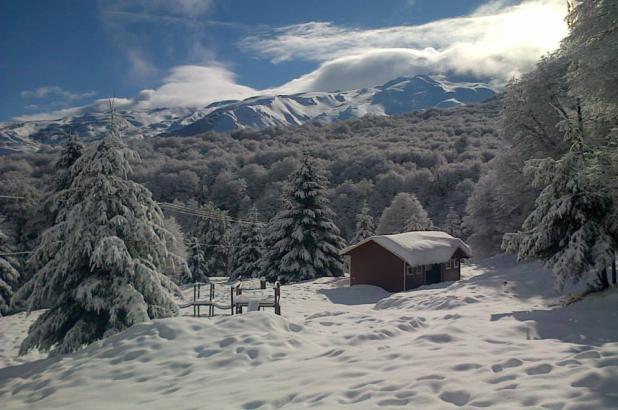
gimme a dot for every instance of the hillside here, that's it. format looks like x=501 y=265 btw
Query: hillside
x=497 y=339
x=438 y=155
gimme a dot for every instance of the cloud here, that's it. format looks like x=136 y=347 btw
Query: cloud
x=130 y=24
x=100 y=105
x=365 y=69
x=54 y=91
x=184 y=86
x=499 y=40
x=166 y=10
x=193 y=85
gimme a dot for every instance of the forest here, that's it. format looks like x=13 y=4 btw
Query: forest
x=438 y=155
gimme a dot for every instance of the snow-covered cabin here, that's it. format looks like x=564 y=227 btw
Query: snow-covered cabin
x=405 y=261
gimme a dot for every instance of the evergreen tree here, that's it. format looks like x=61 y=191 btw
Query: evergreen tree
x=364 y=225
x=100 y=264
x=63 y=176
x=571 y=227
x=303 y=241
x=46 y=211
x=405 y=213
x=70 y=153
x=8 y=277
x=197 y=262
x=213 y=233
x=248 y=246
x=452 y=225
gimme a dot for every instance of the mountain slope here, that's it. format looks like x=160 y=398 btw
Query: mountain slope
x=395 y=97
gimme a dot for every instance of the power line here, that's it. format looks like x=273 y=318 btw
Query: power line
x=16 y=253
x=205 y=214
x=195 y=213
x=213 y=245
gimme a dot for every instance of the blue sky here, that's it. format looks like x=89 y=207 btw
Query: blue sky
x=149 y=53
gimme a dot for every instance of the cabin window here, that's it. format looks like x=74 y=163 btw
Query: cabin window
x=415 y=270
x=452 y=263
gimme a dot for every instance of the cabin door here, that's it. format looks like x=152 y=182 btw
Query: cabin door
x=434 y=275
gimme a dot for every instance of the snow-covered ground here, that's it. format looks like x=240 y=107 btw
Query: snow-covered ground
x=497 y=339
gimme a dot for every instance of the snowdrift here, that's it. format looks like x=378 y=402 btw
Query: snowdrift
x=497 y=339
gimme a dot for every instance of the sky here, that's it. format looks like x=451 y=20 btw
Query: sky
x=57 y=56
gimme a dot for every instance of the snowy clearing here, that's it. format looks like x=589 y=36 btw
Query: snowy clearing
x=497 y=339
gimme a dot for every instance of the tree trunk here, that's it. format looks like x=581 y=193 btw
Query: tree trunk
x=603 y=280
x=614 y=270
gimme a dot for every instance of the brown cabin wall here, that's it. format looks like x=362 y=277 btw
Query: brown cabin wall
x=371 y=264
x=451 y=274
x=414 y=281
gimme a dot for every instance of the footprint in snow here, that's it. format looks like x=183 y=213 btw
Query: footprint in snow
x=590 y=354
x=540 y=369
x=394 y=402
x=456 y=397
x=437 y=338
x=505 y=365
x=462 y=367
x=591 y=380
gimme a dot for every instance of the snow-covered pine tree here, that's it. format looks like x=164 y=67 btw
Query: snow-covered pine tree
x=70 y=153
x=248 y=247
x=571 y=227
x=405 y=213
x=63 y=176
x=46 y=211
x=8 y=277
x=101 y=262
x=364 y=225
x=197 y=262
x=213 y=233
x=452 y=224
x=303 y=241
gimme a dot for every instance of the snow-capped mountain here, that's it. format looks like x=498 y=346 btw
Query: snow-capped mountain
x=401 y=95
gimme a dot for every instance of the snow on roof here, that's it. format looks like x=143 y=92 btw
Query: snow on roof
x=419 y=247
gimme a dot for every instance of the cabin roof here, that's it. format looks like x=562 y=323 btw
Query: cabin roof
x=419 y=247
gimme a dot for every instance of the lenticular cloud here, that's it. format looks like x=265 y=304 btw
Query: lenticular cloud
x=489 y=43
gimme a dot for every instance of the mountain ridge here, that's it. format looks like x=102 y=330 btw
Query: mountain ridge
x=397 y=96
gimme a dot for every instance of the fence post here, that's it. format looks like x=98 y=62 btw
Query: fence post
x=278 y=299
x=194 y=298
